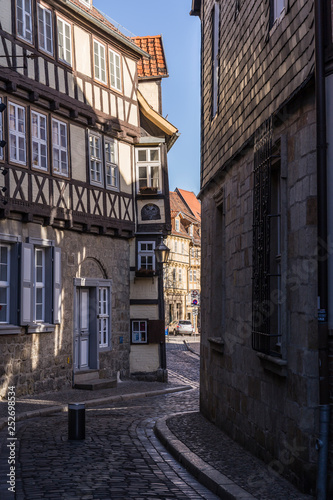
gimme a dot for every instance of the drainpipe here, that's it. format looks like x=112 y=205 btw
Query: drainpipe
x=324 y=407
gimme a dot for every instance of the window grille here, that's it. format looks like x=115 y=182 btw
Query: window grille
x=266 y=277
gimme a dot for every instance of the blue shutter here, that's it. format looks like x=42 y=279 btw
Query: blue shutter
x=27 y=284
x=56 y=285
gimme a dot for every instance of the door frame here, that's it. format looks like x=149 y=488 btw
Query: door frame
x=93 y=286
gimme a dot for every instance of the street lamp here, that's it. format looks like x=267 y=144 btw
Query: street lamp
x=162 y=252
x=162 y=255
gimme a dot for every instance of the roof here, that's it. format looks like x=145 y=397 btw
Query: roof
x=102 y=20
x=179 y=207
x=191 y=201
x=155 y=66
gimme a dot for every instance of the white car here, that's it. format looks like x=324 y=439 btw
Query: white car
x=181 y=327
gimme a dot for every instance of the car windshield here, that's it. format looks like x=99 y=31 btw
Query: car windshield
x=184 y=322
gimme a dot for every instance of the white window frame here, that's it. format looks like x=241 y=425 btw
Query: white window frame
x=99 y=60
x=146 y=253
x=59 y=149
x=95 y=159
x=103 y=316
x=87 y=3
x=115 y=70
x=38 y=141
x=64 y=48
x=39 y=286
x=177 y=224
x=17 y=135
x=45 y=39
x=190 y=276
x=111 y=164
x=176 y=246
x=180 y=275
x=278 y=8
x=25 y=32
x=139 y=335
x=148 y=164
x=5 y=284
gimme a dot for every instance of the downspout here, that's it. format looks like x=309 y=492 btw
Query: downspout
x=322 y=188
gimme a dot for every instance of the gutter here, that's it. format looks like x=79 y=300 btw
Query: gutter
x=119 y=36
x=323 y=191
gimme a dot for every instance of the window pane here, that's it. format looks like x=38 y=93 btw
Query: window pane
x=154 y=156
x=142 y=155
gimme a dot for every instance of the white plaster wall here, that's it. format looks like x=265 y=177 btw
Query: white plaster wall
x=144 y=358
x=125 y=167
x=150 y=91
x=129 y=69
x=6 y=15
x=144 y=311
x=82 y=51
x=78 y=152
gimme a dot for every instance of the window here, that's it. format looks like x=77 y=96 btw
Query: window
x=215 y=56
x=139 y=332
x=194 y=275
x=4 y=282
x=146 y=255
x=190 y=276
x=115 y=70
x=267 y=256
x=41 y=282
x=45 y=35
x=277 y=7
x=24 y=19
x=176 y=246
x=174 y=274
x=99 y=62
x=177 y=223
x=64 y=41
x=180 y=275
x=111 y=164
x=39 y=140
x=149 y=168
x=17 y=139
x=95 y=152
x=1 y=131
x=103 y=316
x=183 y=248
x=191 y=230
x=86 y=2
x=59 y=147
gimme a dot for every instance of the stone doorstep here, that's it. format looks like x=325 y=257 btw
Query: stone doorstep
x=85 y=375
x=96 y=384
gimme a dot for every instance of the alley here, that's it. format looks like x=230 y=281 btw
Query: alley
x=120 y=458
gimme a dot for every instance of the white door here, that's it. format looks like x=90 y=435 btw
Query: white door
x=81 y=330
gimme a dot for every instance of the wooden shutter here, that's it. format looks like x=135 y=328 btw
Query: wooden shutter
x=156 y=331
x=56 y=285
x=27 y=282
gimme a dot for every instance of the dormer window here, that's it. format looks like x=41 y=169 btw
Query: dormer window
x=177 y=222
x=191 y=230
x=87 y=3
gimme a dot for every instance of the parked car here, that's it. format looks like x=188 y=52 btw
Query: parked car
x=181 y=327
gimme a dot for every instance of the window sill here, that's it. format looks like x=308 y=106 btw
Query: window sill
x=10 y=330
x=274 y=365
x=216 y=344
x=40 y=328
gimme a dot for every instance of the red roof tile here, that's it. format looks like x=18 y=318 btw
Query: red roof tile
x=156 y=65
x=191 y=201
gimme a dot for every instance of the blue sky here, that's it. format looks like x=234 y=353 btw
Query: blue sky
x=181 y=91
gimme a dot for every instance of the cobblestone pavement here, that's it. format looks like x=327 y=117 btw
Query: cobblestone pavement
x=121 y=458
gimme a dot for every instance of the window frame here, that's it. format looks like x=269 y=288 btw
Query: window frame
x=104 y=317
x=2 y=156
x=146 y=253
x=99 y=66
x=42 y=8
x=139 y=331
x=6 y=284
x=60 y=148
x=177 y=224
x=113 y=74
x=112 y=165
x=38 y=140
x=97 y=160
x=39 y=285
x=16 y=133
x=64 y=49
x=24 y=13
x=148 y=163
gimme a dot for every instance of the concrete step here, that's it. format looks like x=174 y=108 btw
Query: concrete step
x=86 y=375
x=97 y=383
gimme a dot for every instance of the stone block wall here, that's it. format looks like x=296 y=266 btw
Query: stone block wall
x=38 y=362
x=269 y=407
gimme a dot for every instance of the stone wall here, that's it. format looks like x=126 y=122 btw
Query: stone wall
x=40 y=362
x=270 y=407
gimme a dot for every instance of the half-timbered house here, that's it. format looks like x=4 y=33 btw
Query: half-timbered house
x=70 y=124
x=266 y=291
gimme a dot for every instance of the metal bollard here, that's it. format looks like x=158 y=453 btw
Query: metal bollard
x=76 y=421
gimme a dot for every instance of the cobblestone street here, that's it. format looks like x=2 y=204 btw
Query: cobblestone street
x=120 y=457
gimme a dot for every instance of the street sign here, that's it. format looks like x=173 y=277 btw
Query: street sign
x=194 y=293
x=194 y=302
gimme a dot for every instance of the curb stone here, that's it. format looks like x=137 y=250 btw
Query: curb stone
x=93 y=402
x=212 y=479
